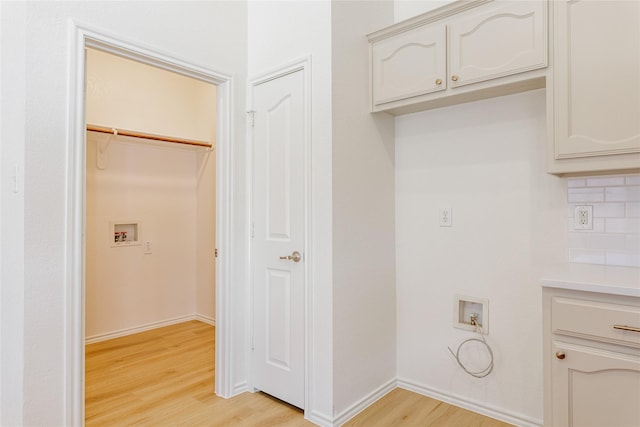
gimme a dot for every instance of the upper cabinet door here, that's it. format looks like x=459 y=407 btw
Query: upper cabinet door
x=505 y=40
x=596 y=94
x=410 y=64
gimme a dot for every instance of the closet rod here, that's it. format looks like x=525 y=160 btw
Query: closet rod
x=135 y=134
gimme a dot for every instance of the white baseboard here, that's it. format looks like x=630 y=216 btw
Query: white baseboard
x=364 y=403
x=205 y=319
x=239 y=388
x=147 y=327
x=319 y=419
x=478 y=407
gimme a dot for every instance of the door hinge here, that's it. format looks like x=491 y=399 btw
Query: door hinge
x=253 y=230
x=252 y=117
x=215 y=252
x=252 y=346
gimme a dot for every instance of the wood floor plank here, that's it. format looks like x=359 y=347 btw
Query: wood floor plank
x=165 y=377
x=404 y=408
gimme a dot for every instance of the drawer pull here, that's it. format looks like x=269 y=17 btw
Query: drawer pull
x=626 y=328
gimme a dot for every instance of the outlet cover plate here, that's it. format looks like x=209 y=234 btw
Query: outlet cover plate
x=583 y=218
x=444 y=217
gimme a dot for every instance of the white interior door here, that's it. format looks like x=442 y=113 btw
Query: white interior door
x=278 y=237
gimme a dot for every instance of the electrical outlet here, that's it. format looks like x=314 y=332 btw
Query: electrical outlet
x=444 y=217
x=583 y=218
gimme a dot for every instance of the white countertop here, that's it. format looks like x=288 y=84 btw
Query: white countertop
x=594 y=278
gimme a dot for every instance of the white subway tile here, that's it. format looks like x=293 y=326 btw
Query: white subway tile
x=598 y=225
x=615 y=237
x=585 y=256
x=577 y=240
x=633 y=179
x=633 y=210
x=611 y=242
x=608 y=210
x=623 y=225
x=585 y=195
x=627 y=259
x=633 y=242
x=623 y=194
x=605 y=181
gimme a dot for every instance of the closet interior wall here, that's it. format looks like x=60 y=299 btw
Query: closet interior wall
x=167 y=189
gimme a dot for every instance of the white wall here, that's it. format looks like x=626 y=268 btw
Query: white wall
x=364 y=312
x=280 y=32
x=405 y=9
x=156 y=185
x=347 y=326
x=485 y=160
x=131 y=95
x=12 y=99
x=211 y=34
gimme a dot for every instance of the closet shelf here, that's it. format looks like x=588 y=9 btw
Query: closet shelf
x=135 y=134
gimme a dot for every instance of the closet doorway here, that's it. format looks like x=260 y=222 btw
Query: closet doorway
x=150 y=204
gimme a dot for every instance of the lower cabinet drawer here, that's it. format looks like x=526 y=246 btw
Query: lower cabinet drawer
x=614 y=323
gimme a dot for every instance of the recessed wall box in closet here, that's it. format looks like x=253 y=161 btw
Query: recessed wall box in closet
x=462 y=52
x=593 y=91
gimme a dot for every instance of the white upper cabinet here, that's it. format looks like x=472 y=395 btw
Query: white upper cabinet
x=594 y=92
x=501 y=41
x=461 y=52
x=411 y=64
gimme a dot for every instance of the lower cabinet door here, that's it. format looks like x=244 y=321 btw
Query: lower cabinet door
x=593 y=387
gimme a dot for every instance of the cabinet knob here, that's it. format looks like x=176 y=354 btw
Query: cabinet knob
x=438 y=82
x=454 y=78
x=560 y=355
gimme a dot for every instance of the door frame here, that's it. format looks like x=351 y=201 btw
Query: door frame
x=301 y=64
x=82 y=36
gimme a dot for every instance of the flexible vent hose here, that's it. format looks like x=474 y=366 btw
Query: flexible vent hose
x=478 y=374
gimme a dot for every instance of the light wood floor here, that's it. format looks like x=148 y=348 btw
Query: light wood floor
x=164 y=377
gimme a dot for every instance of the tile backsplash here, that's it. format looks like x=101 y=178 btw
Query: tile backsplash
x=615 y=236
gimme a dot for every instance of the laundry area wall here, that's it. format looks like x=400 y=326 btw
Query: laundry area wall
x=167 y=189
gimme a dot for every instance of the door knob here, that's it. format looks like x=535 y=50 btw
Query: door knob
x=295 y=256
x=560 y=355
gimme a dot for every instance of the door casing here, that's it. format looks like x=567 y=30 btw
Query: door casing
x=83 y=36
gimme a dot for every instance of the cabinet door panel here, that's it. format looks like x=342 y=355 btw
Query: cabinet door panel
x=409 y=64
x=504 y=41
x=595 y=388
x=597 y=78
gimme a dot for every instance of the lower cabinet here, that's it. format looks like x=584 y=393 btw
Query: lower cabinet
x=591 y=359
x=593 y=387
